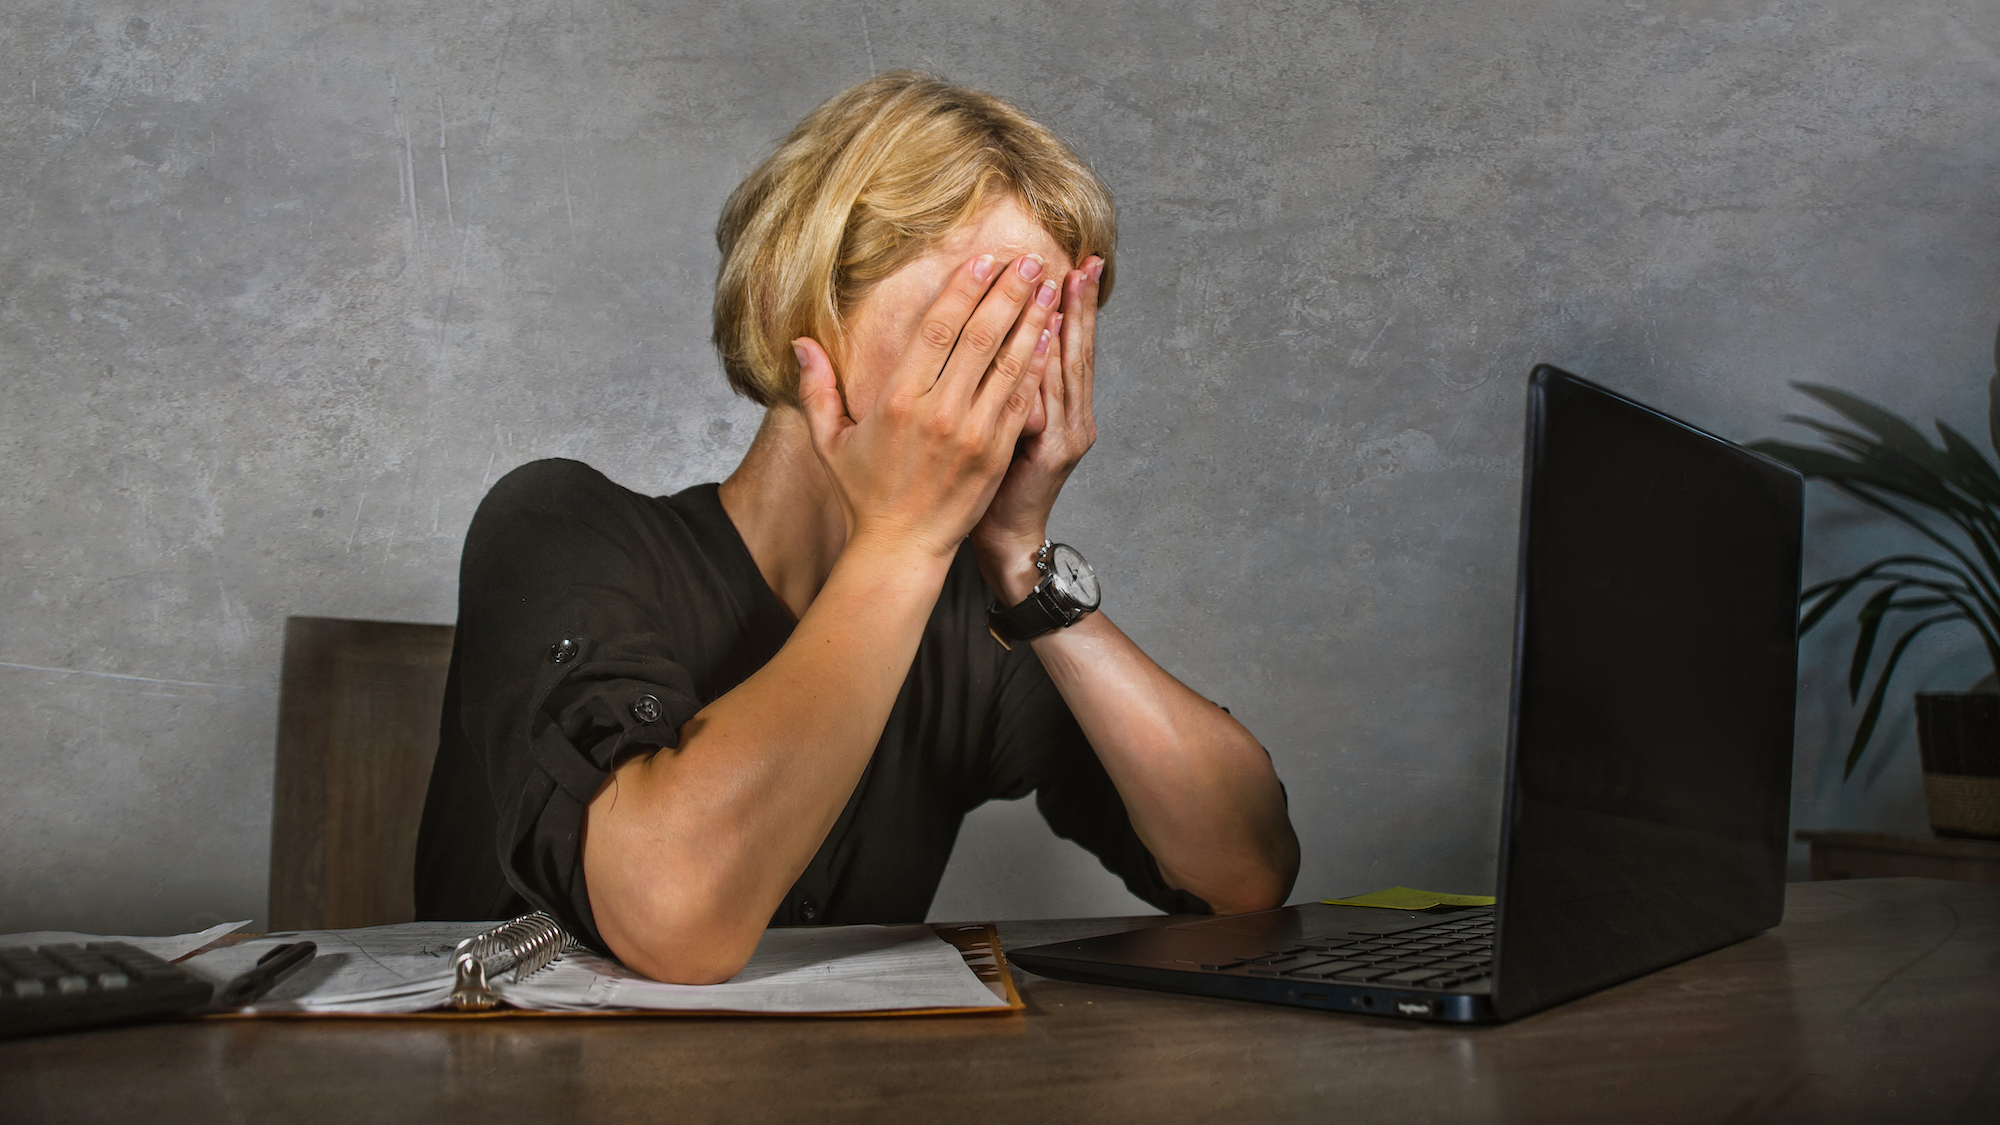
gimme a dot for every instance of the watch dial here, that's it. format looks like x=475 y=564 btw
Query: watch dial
x=1074 y=578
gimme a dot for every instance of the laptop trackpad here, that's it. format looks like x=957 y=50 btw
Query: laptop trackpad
x=1316 y=919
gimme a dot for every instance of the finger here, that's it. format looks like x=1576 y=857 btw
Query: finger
x=1080 y=338
x=938 y=332
x=819 y=395
x=1016 y=407
x=1046 y=370
x=1023 y=343
x=999 y=339
x=1054 y=391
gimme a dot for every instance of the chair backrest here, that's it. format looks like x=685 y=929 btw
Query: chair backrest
x=358 y=717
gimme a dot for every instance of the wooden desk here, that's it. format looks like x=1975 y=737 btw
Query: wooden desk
x=1877 y=1000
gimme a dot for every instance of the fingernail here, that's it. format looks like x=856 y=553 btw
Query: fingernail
x=1042 y=345
x=1097 y=269
x=1055 y=323
x=982 y=267
x=801 y=353
x=1046 y=295
x=1031 y=267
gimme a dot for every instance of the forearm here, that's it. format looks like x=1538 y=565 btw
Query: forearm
x=688 y=851
x=1201 y=792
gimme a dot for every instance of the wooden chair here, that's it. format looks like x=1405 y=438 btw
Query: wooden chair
x=358 y=713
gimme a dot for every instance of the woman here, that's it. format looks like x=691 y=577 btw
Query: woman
x=674 y=721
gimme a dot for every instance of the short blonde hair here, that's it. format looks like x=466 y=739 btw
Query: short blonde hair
x=866 y=183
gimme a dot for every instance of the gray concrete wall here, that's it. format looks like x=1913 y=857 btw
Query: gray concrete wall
x=284 y=287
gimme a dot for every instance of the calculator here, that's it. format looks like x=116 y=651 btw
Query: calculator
x=56 y=987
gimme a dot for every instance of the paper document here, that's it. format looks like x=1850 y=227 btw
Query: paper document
x=381 y=970
x=165 y=948
x=803 y=969
x=408 y=968
x=1406 y=898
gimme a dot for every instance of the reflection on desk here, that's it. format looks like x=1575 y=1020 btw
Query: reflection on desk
x=1876 y=1000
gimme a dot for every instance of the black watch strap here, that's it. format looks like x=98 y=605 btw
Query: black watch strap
x=1036 y=615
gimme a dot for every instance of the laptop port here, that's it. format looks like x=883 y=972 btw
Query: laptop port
x=1414 y=1007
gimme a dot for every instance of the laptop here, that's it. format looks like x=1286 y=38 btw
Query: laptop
x=1649 y=757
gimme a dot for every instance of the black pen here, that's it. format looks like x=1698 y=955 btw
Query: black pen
x=280 y=962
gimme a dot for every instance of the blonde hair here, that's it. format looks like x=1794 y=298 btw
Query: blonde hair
x=867 y=182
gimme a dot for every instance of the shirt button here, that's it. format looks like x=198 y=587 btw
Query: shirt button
x=646 y=709
x=562 y=652
x=808 y=910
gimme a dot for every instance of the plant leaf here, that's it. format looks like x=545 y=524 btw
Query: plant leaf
x=1895 y=433
x=1928 y=482
x=1973 y=613
x=1874 y=712
x=1973 y=575
x=1973 y=467
x=1814 y=462
x=1870 y=619
x=1838 y=588
x=1870 y=464
x=1993 y=399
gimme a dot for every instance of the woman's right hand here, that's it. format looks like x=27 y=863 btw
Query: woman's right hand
x=923 y=462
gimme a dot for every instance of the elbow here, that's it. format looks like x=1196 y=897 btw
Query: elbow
x=676 y=922
x=711 y=965
x=674 y=914
x=1262 y=883
x=677 y=942
x=1248 y=898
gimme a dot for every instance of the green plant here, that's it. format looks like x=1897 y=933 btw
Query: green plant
x=1950 y=495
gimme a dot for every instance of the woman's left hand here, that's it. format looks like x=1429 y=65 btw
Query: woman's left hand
x=1060 y=430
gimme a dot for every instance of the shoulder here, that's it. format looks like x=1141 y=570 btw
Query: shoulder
x=554 y=484
x=561 y=517
x=542 y=495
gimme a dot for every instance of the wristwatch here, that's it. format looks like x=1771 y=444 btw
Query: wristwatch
x=1068 y=590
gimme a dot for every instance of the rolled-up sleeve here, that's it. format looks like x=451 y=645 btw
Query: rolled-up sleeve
x=615 y=697
x=565 y=666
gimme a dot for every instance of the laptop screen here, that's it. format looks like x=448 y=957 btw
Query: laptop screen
x=1655 y=672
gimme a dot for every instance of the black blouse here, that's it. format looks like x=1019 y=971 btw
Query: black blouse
x=594 y=621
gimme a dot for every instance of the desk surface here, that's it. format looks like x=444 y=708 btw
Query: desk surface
x=1876 y=1000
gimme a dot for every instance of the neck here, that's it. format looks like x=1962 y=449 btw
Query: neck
x=784 y=507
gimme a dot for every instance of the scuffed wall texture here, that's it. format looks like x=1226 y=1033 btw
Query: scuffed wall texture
x=284 y=287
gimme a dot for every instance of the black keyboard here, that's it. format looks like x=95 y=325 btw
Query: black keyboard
x=58 y=987
x=1443 y=955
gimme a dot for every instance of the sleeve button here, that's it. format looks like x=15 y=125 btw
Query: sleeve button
x=563 y=651
x=808 y=910
x=646 y=709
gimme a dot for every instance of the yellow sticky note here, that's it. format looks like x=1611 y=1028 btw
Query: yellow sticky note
x=1406 y=898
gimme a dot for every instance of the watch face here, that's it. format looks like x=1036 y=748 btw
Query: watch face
x=1073 y=578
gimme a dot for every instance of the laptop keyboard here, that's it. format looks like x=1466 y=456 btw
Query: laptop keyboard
x=1442 y=955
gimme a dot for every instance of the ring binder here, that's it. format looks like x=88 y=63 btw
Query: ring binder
x=525 y=945
x=458 y=970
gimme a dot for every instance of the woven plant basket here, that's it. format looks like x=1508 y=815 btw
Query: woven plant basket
x=1958 y=735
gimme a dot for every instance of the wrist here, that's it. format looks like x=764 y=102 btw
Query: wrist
x=1007 y=562
x=1065 y=591
x=902 y=560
